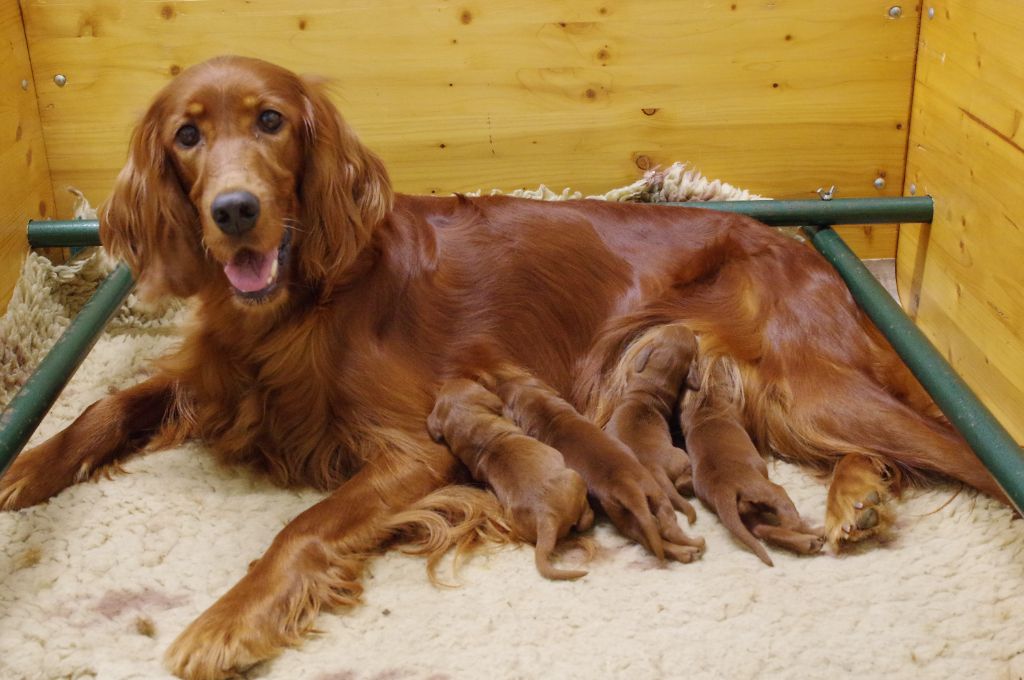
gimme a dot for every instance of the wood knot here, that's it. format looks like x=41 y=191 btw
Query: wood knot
x=643 y=161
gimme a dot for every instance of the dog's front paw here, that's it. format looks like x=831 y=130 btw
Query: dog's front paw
x=211 y=648
x=11 y=487
x=240 y=630
x=32 y=478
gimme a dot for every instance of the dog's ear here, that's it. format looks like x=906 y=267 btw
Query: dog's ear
x=345 y=191
x=149 y=222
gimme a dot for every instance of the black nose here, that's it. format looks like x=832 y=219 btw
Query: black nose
x=235 y=212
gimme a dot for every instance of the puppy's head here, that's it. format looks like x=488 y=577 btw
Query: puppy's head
x=460 y=404
x=243 y=177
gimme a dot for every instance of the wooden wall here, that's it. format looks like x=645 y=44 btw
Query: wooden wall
x=962 y=277
x=25 y=189
x=779 y=96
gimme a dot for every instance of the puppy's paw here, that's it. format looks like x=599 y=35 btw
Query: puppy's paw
x=642 y=510
x=756 y=509
x=671 y=469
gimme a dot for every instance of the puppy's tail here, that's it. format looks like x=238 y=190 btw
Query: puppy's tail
x=547 y=537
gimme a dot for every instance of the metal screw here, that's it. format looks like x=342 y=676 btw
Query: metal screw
x=60 y=79
x=879 y=182
x=913 y=190
x=827 y=195
x=24 y=83
x=931 y=12
x=895 y=12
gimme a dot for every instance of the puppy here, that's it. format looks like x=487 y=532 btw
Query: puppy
x=543 y=498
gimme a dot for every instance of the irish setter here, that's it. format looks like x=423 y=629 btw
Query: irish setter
x=568 y=342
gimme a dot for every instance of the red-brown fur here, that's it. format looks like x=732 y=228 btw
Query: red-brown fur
x=329 y=381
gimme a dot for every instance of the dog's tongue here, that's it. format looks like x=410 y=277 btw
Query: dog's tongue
x=250 y=271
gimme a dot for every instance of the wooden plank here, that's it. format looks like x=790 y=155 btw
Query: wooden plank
x=25 y=189
x=458 y=96
x=962 y=277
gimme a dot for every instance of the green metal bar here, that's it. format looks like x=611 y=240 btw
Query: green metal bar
x=44 y=233
x=63 y=233
x=991 y=442
x=36 y=396
x=835 y=211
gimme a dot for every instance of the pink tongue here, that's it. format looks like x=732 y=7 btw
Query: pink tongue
x=249 y=271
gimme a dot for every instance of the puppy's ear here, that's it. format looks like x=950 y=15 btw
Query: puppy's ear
x=149 y=222
x=435 y=426
x=345 y=191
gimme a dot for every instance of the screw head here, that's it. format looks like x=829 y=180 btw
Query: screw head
x=895 y=12
x=913 y=190
x=879 y=182
x=24 y=83
x=60 y=79
x=931 y=12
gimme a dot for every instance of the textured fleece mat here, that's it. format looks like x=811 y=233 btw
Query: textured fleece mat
x=97 y=582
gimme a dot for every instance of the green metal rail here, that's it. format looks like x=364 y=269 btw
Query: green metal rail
x=63 y=233
x=47 y=233
x=835 y=211
x=34 y=399
x=990 y=441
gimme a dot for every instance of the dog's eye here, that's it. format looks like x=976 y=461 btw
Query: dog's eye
x=270 y=121
x=187 y=136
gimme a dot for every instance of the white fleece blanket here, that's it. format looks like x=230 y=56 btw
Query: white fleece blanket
x=98 y=581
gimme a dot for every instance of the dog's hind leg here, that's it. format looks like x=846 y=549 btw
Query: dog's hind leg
x=108 y=431
x=858 y=499
x=883 y=443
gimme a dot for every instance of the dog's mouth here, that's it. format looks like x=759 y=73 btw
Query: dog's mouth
x=254 y=276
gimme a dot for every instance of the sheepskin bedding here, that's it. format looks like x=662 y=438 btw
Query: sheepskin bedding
x=97 y=582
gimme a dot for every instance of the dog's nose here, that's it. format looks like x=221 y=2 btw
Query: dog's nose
x=235 y=212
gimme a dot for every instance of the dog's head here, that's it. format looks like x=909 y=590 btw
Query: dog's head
x=243 y=175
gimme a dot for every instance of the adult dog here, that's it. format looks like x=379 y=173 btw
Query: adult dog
x=330 y=313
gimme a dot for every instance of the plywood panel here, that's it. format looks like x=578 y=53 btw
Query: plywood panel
x=962 y=277
x=780 y=97
x=25 y=190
